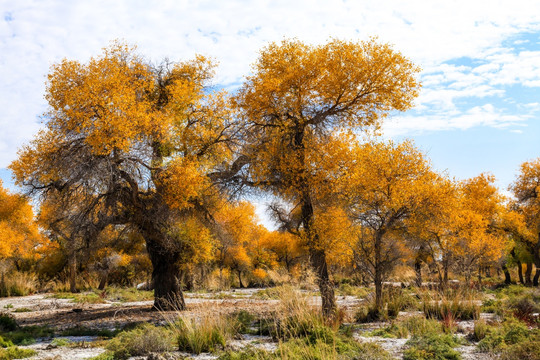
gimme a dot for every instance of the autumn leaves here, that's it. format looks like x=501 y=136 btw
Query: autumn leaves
x=157 y=150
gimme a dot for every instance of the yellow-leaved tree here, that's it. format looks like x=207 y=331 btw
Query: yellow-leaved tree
x=19 y=233
x=129 y=144
x=526 y=222
x=298 y=96
x=386 y=186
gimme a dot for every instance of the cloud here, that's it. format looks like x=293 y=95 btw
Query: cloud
x=34 y=34
x=484 y=115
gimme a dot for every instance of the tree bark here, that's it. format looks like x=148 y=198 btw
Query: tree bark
x=520 y=272
x=103 y=280
x=240 y=278
x=326 y=287
x=528 y=273
x=418 y=270
x=166 y=278
x=507 y=277
x=72 y=267
x=536 y=258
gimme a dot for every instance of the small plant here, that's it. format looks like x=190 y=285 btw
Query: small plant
x=481 y=330
x=7 y=322
x=140 y=341
x=15 y=352
x=432 y=347
x=58 y=342
x=22 y=310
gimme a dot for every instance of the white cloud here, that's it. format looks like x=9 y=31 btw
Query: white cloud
x=484 y=115
x=34 y=34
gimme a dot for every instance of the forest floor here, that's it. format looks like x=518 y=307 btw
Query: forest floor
x=79 y=323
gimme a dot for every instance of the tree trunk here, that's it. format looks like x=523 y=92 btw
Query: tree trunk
x=528 y=273
x=520 y=272
x=377 y=279
x=166 y=278
x=536 y=258
x=326 y=288
x=418 y=270
x=507 y=277
x=72 y=268
x=240 y=278
x=103 y=280
x=479 y=277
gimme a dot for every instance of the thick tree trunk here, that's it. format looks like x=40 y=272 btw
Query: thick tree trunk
x=166 y=278
x=418 y=271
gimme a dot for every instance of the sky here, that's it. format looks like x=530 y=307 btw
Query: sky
x=478 y=110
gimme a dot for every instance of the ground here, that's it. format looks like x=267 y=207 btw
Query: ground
x=65 y=314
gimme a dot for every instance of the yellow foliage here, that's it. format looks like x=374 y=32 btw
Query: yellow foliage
x=18 y=230
x=259 y=274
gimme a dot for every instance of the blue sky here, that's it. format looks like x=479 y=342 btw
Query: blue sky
x=478 y=110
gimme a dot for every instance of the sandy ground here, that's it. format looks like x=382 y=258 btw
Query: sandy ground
x=63 y=314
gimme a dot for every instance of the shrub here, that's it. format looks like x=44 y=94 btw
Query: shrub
x=523 y=307
x=17 y=284
x=511 y=332
x=411 y=326
x=207 y=333
x=481 y=330
x=140 y=341
x=432 y=347
x=529 y=350
x=455 y=309
x=15 y=352
x=366 y=314
x=350 y=290
x=7 y=322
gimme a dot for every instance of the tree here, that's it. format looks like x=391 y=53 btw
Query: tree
x=525 y=224
x=387 y=184
x=482 y=240
x=298 y=96
x=19 y=232
x=125 y=143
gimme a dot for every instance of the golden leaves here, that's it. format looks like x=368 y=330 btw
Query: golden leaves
x=18 y=231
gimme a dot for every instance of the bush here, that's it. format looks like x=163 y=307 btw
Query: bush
x=7 y=322
x=17 y=284
x=511 y=332
x=366 y=314
x=455 y=309
x=140 y=341
x=432 y=347
x=350 y=290
x=298 y=349
x=481 y=330
x=15 y=352
x=522 y=351
x=523 y=307
x=208 y=333
x=411 y=326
